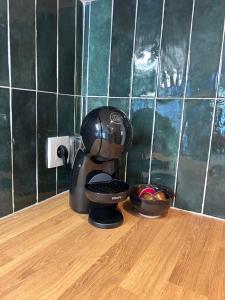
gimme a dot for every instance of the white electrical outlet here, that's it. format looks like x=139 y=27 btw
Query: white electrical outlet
x=53 y=143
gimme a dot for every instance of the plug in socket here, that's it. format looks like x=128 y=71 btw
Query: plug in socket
x=53 y=143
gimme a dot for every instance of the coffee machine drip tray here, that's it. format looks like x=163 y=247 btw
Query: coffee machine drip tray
x=112 y=191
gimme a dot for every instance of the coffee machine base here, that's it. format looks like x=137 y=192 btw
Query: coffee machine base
x=105 y=217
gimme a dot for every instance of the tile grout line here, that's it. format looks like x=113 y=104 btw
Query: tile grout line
x=57 y=85
x=152 y=140
x=75 y=67
x=178 y=150
x=147 y=98
x=132 y=77
x=184 y=97
x=133 y=54
x=213 y=118
x=156 y=93
x=82 y=63
x=10 y=104
x=36 y=102
x=40 y=91
x=57 y=65
x=112 y=97
x=110 y=51
x=88 y=52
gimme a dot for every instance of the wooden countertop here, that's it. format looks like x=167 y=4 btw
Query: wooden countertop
x=50 y=252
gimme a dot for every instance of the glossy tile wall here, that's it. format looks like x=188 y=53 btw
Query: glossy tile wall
x=40 y=88
x=163 y=63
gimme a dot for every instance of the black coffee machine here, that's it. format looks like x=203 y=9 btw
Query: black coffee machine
x=95 y=186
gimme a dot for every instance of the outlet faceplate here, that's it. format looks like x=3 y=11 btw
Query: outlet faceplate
x=53 y=143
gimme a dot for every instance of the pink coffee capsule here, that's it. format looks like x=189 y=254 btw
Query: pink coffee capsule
x=148 y=190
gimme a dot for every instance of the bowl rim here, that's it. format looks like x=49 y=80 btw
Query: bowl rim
x=168 y=192
x=150 y=202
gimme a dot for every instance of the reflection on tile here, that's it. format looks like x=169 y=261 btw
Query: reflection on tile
x=214 y=202
x=165 y=145
x=99 y=47
x=147 y=47
x=122 y=47
x=66 y=46
x=24 y=148
x=46 y=44
x=139 y=154
x=221 y=91
x=78 y=103
x=175 y=42
x=86 y=11
x=22 y=32
x=194 y=154
x=5 y=155
x=65 y=127
x=46 y=128
x=78 y=49
x=205 y=47
x=96 y=102
x=122 y=104
x=4 y=73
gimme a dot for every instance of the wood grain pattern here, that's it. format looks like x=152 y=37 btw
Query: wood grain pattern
x=50 y=252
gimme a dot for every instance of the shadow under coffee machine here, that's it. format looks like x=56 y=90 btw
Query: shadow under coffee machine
x=95 y=186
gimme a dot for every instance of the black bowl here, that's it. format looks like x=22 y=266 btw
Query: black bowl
x=153 y=208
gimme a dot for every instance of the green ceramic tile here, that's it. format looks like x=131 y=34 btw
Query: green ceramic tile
x=221 y=91
x=24 y=148
x=86 y=19
x=174 y=50
x=5 y=155
x=205 y=48
x=4 y=72
x=66 y=46
x=147 y=47
x=78 y=49
x=65 y=115
x=165 y=143
x=22 y=33
x=96 y=102
x=78 y=103
x=214 y=201
x=194 y=154
x=65 y=127
x=122 y=47
x=46 y=128
x=46 y=44
x=99 y=49
x=123 y=105
x=139 y=154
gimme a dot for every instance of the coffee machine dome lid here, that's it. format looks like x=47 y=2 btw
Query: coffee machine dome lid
x=106 y=132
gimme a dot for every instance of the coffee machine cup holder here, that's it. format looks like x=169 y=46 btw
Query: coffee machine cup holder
x=107 y=192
